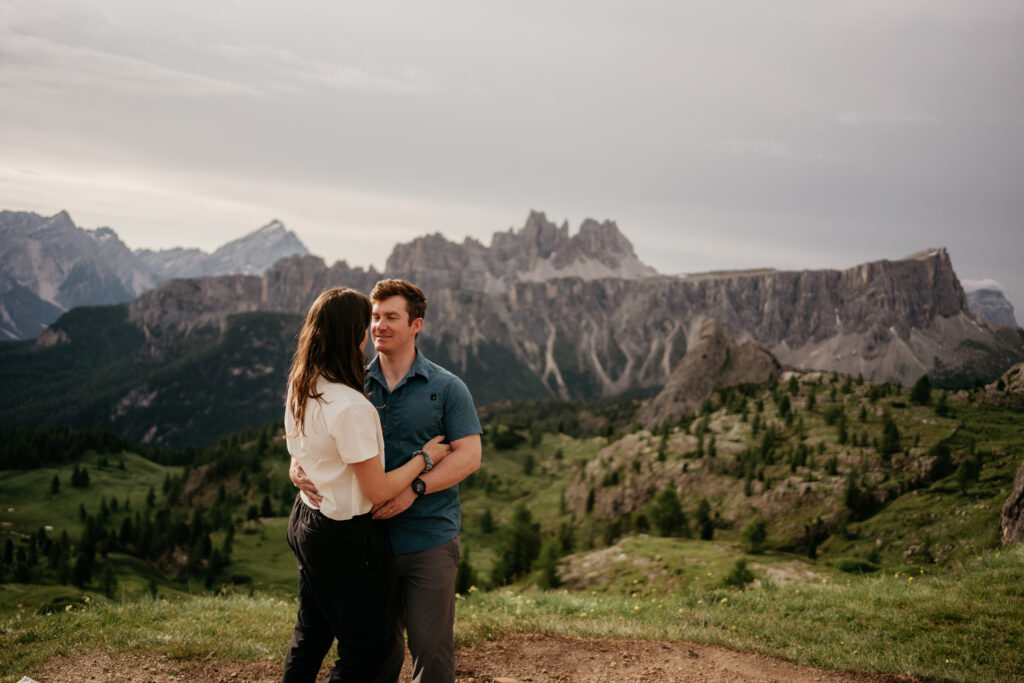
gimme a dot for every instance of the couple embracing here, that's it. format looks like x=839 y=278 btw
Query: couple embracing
x=377 y=451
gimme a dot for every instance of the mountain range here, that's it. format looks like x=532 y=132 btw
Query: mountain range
x=193 y=358
x=50 y=265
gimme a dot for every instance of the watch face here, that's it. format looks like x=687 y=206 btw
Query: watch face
x=419 y=487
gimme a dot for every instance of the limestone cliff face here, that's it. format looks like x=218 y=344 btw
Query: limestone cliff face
x=292 y=284
x=713 y=360
x=572 y=337
x=179 y=307
x=890 y=320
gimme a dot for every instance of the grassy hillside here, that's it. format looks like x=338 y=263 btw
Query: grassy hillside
x=192 y=392
x=959 y=626
x=818 y=519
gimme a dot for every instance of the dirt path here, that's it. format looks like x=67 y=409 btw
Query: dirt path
x=523 y=659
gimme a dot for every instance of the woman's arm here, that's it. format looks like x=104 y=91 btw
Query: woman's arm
x=380 y=486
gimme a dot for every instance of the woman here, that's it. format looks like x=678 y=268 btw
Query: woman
x=335 y=434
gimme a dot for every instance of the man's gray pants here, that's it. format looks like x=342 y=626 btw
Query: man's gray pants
x=422 y=603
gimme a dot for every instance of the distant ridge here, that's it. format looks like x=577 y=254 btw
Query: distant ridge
x=50 y=265
x=250 y=254
x=570 y=337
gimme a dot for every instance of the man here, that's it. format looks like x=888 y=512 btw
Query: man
x=417 y=400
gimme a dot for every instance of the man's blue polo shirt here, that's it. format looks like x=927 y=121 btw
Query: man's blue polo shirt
x=429 y=401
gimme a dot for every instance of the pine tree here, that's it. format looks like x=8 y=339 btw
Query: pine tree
x=547 y=565
x=486 y=521
x=109 y=580
x=465 y=577
x=921 y=394
x=754 y=535
x=842 y=435
x=521 y=547
x=890 y=441
x=667 y=514
x=704 y=522
x=81 y=573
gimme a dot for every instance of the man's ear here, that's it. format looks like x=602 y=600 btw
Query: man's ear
x=417 y=325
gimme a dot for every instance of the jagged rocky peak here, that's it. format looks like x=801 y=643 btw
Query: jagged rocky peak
x=272 y=228
x=539 y=251
x=538 y=238
x=603 y=240
x=252 y=254
x=48 y=265
x=713 y=360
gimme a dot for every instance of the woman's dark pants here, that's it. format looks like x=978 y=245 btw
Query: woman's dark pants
x=344 y=577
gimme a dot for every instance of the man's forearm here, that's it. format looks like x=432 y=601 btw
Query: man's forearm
x=463 y=461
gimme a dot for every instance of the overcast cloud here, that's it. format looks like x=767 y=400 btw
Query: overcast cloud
x=718 y=135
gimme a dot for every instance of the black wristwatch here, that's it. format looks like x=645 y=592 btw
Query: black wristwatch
x=419 y=487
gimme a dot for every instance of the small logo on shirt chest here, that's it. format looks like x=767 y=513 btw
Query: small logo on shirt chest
x=433 y=397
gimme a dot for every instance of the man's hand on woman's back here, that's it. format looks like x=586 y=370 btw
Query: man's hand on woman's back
x=299 y=478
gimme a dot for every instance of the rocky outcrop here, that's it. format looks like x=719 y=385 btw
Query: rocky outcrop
x=1011 y=520
x=713 y=360
x=1013 y=379
x=537 y=252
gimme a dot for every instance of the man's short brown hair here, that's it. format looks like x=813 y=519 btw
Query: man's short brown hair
x=415 y=299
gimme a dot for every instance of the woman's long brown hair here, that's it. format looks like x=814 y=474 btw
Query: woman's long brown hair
x=330 y=344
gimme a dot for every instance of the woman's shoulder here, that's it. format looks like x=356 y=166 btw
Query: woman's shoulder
x=341 y=397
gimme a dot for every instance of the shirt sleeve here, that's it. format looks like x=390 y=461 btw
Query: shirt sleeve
x=460 y=418
x=355 y=429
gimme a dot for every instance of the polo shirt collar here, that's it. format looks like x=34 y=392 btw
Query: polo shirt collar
x=420 y=366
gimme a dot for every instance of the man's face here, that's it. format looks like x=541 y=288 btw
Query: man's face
x=390 y=327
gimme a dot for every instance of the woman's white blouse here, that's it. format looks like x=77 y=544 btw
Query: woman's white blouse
x=341 y=429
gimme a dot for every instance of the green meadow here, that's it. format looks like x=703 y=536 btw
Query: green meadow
x=825 y=521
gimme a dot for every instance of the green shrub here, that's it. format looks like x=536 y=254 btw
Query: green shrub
x=754 y=535
x=739 y=576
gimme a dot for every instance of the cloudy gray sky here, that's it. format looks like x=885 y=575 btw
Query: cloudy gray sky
x=793 y=134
